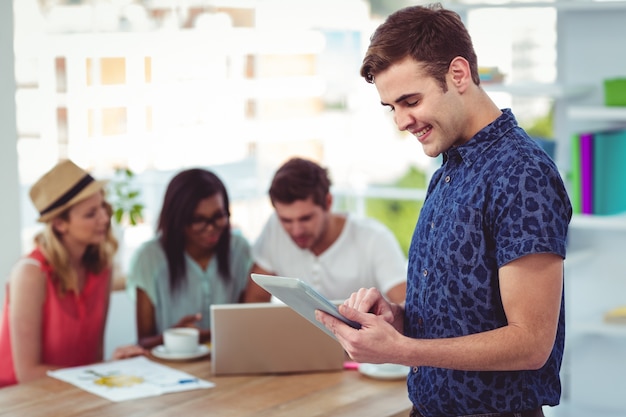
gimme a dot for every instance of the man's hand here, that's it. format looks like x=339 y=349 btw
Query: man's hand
x=381 y=324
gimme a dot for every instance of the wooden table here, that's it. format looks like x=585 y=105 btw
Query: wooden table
x=337 y=394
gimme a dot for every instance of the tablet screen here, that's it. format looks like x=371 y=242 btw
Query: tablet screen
x=301 y=297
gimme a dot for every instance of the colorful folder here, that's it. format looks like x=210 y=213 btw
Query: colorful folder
x=575 y=174
x=586 y=173
x=609 y=172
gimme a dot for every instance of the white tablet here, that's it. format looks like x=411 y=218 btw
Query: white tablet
x=301 y=297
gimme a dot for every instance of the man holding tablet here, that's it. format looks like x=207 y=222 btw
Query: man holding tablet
x=483 y=326
x=335 y=253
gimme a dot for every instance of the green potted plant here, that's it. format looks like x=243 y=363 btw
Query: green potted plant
x=125 y=198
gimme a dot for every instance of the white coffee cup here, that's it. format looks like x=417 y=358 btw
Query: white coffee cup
x=181 y=340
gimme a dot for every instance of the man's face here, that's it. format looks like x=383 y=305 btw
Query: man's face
x=421 y=107
x=303 y=220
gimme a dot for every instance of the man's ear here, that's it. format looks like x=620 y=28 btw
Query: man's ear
x=329 y=201
x=460 y=73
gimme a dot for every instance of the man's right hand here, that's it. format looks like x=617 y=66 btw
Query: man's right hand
x=370 y=300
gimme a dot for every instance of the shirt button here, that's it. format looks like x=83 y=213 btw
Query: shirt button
x=425 y=272
x=415 y=369
x=447 y=178
x=432 y=225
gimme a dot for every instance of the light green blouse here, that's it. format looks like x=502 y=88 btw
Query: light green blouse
x=148 y=271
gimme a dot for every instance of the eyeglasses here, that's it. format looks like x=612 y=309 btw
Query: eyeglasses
x=218 y=220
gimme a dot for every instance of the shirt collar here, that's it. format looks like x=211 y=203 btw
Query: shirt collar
x=483 y=140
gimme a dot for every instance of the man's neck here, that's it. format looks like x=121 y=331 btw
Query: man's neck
x=336 y=223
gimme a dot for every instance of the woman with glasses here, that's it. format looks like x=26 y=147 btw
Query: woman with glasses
x=195 y=260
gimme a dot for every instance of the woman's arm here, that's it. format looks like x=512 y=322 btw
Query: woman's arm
x=27 y=292
x=147 y=335
x=107 y=304
x=253 y=292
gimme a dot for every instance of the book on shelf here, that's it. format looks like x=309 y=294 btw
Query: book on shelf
x=609 y=174
x=587 y=177
x=598 y=173
x=575 y=174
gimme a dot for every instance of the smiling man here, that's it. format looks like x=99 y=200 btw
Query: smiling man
x=483 y=325
x=336 y=253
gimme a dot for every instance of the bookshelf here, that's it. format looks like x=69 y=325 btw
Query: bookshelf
x=534 y=89
x=598 y=113
x=589 y=41
x=599 y=223
x=592 y=327
x=579 y=5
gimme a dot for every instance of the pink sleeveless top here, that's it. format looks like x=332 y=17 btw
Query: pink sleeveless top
x=72 y=331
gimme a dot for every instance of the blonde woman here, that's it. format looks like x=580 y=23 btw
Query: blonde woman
x=57 y=296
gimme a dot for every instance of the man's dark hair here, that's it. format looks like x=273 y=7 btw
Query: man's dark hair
x=431 y=35
x=299 y=179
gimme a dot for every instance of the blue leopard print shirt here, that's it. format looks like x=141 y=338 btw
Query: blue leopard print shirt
x=494 y=199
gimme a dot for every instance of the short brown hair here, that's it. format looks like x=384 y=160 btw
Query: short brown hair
x=431 y=35
x=299 y=179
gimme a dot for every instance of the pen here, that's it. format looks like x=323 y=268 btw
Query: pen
x=180 y=382
x=187 y=381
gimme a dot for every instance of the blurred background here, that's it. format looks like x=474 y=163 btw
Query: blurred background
x=237 y=86
x=136 y=90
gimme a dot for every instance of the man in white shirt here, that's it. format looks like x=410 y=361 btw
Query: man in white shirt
x=336 y=253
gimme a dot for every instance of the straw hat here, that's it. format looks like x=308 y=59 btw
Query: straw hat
x=63 y=186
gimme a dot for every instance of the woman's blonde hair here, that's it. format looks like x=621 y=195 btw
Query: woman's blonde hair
x=96 y=257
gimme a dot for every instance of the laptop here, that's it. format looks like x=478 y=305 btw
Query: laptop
x=269 y=338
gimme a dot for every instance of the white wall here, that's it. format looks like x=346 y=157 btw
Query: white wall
x=121 y=327
x=10 y=222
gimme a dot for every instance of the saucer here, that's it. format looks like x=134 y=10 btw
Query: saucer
x=384 y=370
x=162 y=353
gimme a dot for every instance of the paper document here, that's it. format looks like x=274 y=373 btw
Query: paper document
x=128 y=379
